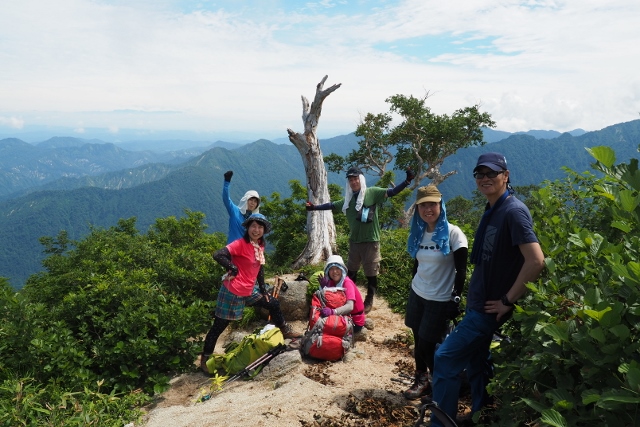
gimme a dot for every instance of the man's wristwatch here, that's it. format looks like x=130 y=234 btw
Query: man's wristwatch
x=505 y=301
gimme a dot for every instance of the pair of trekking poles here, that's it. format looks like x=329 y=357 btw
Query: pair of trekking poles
x=250 y=370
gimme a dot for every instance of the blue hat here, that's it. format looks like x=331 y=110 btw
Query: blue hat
x=494 y=161
x=259 y=218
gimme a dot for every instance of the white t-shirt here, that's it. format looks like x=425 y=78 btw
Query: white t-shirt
x=436 y=273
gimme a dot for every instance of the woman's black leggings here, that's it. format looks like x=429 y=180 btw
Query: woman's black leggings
x=423 y=353
x=220 y=324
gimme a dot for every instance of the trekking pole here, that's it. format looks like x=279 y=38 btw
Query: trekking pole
x=262 y=360
x=276 y=291
x=444 y=418
x=249 y=368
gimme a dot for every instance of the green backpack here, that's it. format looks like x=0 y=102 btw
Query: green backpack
x=238 y=355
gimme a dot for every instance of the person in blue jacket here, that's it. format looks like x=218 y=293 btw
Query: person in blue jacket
x=249 y=204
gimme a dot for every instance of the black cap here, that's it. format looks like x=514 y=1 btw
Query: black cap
x=354 y=171
x=494 y=161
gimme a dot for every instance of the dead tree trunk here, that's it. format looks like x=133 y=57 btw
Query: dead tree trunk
x=321 y=231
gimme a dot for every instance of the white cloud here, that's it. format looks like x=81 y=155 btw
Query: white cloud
x=12 y=122
x=531 y=64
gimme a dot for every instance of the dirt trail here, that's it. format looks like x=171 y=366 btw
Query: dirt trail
x=365 y=390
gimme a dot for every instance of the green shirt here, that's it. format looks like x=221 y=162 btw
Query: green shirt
x=360 y=232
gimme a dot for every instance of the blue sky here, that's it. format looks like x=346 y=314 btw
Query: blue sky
x=223 y=68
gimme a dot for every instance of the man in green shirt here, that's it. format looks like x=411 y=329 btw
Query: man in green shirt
x=360 y=205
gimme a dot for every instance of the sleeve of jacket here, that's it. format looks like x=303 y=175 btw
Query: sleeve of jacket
x=226 y=200
x=260 y=280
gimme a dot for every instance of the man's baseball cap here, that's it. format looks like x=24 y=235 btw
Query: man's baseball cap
x=494 y=161
x=354 y=171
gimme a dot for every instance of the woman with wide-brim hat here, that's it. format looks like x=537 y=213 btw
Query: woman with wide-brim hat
x=439 y=250
x=243 y=284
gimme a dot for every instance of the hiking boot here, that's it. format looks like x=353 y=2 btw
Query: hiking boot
x=368 y=302
x=288 y=332
x=421 y=387
x=370 y=324
x=426 y=398
x=360 y=336
x=203 y=362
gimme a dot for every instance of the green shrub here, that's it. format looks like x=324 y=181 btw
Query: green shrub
x=574 y=359
x=24 y=402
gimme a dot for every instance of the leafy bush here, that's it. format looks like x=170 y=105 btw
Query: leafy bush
x=574 y=359
x=289 y=219
x=23 y=402
x=118 y=309
x=114 y=315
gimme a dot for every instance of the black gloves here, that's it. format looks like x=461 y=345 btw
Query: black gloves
x=310 y=206
x=228 y=175
x=410 y=176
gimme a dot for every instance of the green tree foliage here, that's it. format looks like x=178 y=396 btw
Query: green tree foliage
x=288 y=218
x=114 y=312
x=374 y=150
x=421 y=141
x=120 y=310
x=574 y=357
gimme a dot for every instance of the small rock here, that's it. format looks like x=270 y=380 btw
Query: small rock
x=280 y=366
x=349 y=356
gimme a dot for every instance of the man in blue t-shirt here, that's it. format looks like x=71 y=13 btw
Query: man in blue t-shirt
x=507 y=255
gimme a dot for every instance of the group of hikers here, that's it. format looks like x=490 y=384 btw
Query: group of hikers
x=506 y=255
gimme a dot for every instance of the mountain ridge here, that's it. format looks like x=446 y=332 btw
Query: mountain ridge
x=196 y=184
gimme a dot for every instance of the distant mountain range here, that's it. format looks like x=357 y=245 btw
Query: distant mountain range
x=71 y=184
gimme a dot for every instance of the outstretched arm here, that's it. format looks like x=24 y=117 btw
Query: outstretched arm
x=323 y=207
x=226 y=198
x=340 y=311
x=404 y=184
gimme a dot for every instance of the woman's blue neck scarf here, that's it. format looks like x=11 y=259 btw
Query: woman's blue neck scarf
x=440 y=232
x=478 y=240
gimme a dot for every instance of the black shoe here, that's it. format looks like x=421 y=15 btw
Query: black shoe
x=426 y=399
x=421 y=387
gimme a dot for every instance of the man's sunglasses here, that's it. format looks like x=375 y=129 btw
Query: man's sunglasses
x=490 y=174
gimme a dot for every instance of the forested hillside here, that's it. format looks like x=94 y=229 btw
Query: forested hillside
x=533 y=161
x=24 y=166
x=196 y=185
